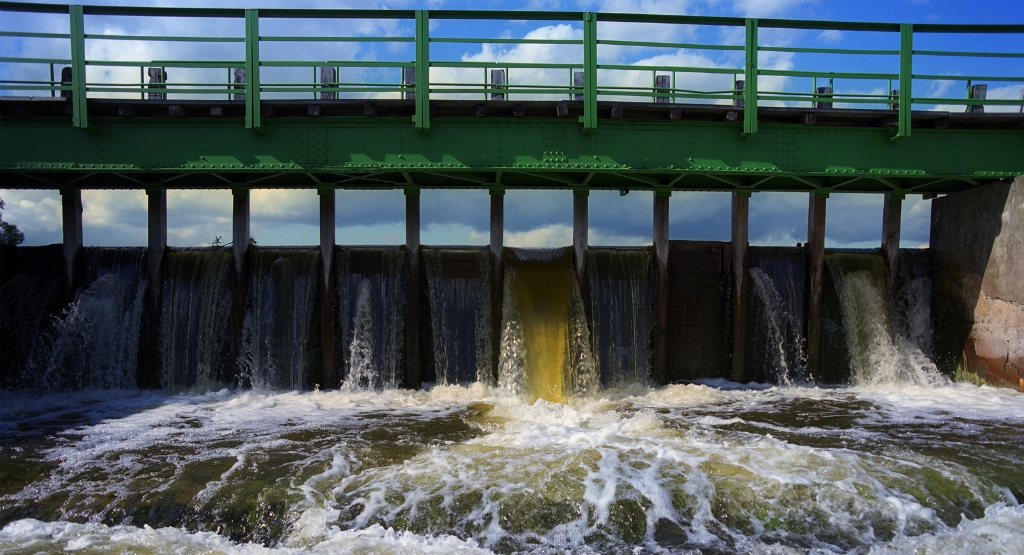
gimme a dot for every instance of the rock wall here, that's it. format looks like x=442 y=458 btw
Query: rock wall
x=977 y=237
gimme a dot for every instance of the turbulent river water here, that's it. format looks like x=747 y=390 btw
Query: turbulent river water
x=709 y=467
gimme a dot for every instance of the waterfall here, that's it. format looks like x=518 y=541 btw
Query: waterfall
x=31 y=295
x=877 y=355
x=370 y=293
x=94 y=344
x=913 y=316
x=196 y=320
x=279 y=336
x=545 y=337
x=775 y=341
x=621 y=301
x=458 y=284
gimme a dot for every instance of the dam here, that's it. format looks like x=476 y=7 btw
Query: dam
x=683 y=397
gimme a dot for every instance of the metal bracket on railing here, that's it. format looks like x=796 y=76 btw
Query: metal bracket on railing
x=80 y=116
x=421 y=118
x=589 y=118
x=750 y=80
x=906 y=80
x=252 y=71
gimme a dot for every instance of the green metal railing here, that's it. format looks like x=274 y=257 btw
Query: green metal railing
x=600 y=81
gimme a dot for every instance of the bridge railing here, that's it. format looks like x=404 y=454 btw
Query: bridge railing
x=581 y=57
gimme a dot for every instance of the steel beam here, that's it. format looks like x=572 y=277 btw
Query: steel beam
x=660 y=358
x=239 y=248
x=188 y=153
x=740 y=217
x=71 y=217
x=891 y=215
x=815 y=275
x=497 y=274
x=327 y=336
x=412 y=293
x=157 y=230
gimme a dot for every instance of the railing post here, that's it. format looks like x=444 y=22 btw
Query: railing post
x=750 y=80
x=589 y=118
x=421 y=119
x=906 y=79
x=252 y=70
x=80 y=117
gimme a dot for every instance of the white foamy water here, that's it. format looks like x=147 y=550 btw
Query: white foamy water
x=713 y=466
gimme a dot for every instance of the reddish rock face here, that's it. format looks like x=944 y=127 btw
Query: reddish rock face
x=978 y=241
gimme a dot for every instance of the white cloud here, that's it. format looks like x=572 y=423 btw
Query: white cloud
x=769 y=8
x=830 y=36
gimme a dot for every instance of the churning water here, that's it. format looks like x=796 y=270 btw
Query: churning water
x=542 y=461
x=710 y=468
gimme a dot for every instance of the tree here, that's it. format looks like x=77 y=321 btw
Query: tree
x=9 y=233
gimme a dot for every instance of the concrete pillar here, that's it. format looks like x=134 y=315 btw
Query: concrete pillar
x=240 y=248
x=327 y=237
x=740 y=235
x=892 y=211
x=580 y=239
x=660 y=359
x=815 y=274
x=412 y=296
x=497 y=274
x=71 y=205
x=157 y=247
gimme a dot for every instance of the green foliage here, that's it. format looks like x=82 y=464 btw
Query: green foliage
x=9 y=233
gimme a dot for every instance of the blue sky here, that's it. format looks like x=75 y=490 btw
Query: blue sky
x=533 y=218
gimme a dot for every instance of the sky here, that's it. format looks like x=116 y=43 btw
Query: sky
x=532 y=218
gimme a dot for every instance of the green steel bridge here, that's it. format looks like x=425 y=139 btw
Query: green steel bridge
x=431 y=116
x=580 y=124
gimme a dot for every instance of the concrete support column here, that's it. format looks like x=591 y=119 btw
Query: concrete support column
x=892 y=211
x=660 y=359
x=412 y=296
x=157 y=247
x=71 y=206
x=740 y=236
x=240 y=248
x=497 y=274
x=327 y=238
x=815 y=274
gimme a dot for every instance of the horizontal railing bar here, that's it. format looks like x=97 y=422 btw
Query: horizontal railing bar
x=30 y=87
x=28 y=82
x=958 y=28
x=336 y=63
x=624 y=67
x=26 y=35
x=309 y=89
x=496 y=88
x=669 y=45
x=969 y=54
x=737 y=94
x=167 y=63
x=829 y=99
x=968 y=78
x=829 y=50
x=336 y=39
x=525 y=15
x=174 y=86
x=34 y=60
x=478 y=90
x=677 y=19
x=888 y=98
x=137 y=89
x=505 y=41
x=317 y=13
x=970 y=101
x=677 y=94
x=33 y=7
x=827 y=74
x=827 y=25
x=94 y=36
x=513 y=65
x=164 y=11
